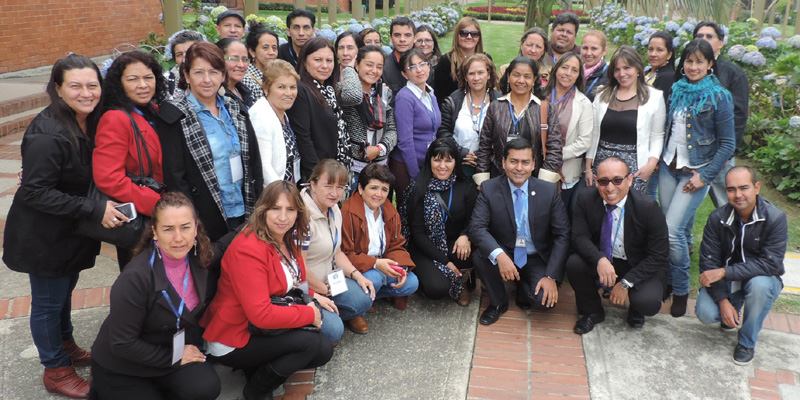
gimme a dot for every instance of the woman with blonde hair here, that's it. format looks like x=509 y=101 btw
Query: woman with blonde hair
x=534 y=45
x=466 y=42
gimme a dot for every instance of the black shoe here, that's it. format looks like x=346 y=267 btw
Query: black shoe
x=678 y=308
x=606 y=293
x=587 y=322
x=523 y=304
x=726 y=328
x=635 y=319
x=492 y=314
x=742 y=355
x=262 y=383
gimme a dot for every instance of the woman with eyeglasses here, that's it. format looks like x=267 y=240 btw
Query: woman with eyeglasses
x=700 y=141
x=534 y=45
x=262 y=45
x=417 y=115
x=465 y=110
x=628 y=119
x=517 y=115
x=466 y=42
x=425 y=40
x=236 y=61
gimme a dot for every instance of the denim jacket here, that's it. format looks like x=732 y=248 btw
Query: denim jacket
x=710 y=137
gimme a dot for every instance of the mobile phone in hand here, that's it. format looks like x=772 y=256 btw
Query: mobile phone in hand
x=127 y=210
x=399 y=270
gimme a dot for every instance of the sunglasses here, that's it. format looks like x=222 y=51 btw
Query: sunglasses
x=605 y=181
x=707 y=36
x=465 y=33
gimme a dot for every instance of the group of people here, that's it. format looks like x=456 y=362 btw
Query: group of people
x=277 y=226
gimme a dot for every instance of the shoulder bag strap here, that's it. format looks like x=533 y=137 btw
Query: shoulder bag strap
x=544 y=126
x=139 y=138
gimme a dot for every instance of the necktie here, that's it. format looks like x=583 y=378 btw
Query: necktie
x=520 y=253
x=605 y=231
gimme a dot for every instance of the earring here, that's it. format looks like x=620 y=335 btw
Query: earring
x=195 y=247
x=221 y=91
x=682 y=71
x=711 y=71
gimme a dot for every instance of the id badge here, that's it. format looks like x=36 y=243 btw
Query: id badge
x=304 y=287
x=178 y=342
x=511 y=137
x=237 y=172
x=520 y=242
x=337 y=282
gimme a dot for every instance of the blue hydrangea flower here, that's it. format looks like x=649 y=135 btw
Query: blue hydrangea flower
x=671 y=26
x=736 y=52
x=646 y=40
x=754 y=58
x=771 y=32
x=355 y=28
x=387 y=50
x=328 y=34
x=794 y=122
x=282 y=41
x=676 y=42
x=794 y=41
x=616 y=39
x=203 y=19
x=106 y=65
x=766 y=42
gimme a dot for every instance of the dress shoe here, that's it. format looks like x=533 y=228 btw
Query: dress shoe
x=587 y=322
x=79 y=356
x=635 y=319
x=358 y=325
x=492 y=314
x=523 y=305
x=64 y=380
x=400 y=303
x=743 y=355
x=678 y=308
x=465 y=298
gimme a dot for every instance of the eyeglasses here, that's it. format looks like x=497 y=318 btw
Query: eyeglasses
x=413 y=67
x=424 y=41
x=465 y=33
x=237 y=60
x=605 y=181
x=707 y=36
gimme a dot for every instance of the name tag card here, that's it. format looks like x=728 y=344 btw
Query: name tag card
x=237 y=171
x=337 y=282
x=178 y=342
x=520 y=242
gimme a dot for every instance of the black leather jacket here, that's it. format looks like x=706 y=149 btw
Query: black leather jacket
x=450 y=108
x=734 y=79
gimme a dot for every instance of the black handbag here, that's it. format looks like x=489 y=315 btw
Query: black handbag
x=293 y=297
x=128 y=235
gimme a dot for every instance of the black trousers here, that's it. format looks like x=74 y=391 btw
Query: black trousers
x=645 y=297
x=533 y=271
x=286 y=353
x=432 y=282
x=198 y=381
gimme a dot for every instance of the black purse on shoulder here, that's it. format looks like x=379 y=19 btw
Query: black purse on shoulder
x=293 y=297
x=128 y=235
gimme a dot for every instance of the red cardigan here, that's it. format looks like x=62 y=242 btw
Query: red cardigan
x=251 y=272
x=115 y=155
x=355 y=234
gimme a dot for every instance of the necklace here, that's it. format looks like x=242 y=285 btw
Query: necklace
x=623 y=101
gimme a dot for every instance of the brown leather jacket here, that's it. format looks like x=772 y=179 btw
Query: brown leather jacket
x=494 y=136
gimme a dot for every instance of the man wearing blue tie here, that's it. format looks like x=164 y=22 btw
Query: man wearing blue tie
x=521 y=232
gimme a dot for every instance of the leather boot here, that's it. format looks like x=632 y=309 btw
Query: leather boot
x=263 y=382
x=678 y=308
x=400 y=302
x=79 y=356
x=64 y=380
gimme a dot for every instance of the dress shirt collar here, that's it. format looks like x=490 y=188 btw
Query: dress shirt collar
x=621 y=203
x=417 y=91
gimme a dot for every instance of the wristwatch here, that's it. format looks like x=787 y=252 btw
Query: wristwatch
x=625 y=284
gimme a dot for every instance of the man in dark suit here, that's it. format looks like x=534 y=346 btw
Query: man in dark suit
x=630 y=259
x=521 y=232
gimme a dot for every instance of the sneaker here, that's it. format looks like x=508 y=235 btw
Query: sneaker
x=742 y=355
x=726 y=328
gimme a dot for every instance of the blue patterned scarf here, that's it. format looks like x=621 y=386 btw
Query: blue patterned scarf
x=691 y=96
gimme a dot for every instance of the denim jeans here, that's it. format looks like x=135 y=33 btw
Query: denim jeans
x=757 y=294
x=718 y=193
x=383 y=287
x=332 y=326
x=51 y=322
x=652 y=186
x=352 y=303
x=679 y=208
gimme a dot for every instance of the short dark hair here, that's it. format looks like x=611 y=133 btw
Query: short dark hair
x=403 y=21
x=185 y=37
x=504 y=85
x=300 y=12
x=750 y=170
x=695 y=46
x=114 y=93
x=717 y=29
x=362 y=52
x=405 y=59
x=667 y=38
x=379 y=172
x=224 y=43
x=208 y=52
x=567 y=18
x=615 y=159
x=517 y=144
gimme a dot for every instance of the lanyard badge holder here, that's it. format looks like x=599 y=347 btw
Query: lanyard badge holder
x=336 y=277
x=179 y=338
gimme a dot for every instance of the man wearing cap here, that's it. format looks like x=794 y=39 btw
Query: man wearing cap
x=741 y=261
x=521 y=232
x=621 y=242
x=230 y=24
x=299 y=28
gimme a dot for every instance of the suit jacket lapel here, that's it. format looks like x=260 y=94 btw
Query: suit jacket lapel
x=531 y=204
x=506 y=192
x=630 y=210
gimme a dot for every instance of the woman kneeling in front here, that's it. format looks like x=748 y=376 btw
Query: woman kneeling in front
x=371 y=237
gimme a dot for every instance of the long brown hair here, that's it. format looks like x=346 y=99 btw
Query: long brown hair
x=579 y=82
x=257 y=224
x=177 y=200
x=631 y=57
x=456 y=57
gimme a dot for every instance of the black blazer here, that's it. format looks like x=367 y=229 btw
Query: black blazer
x=136 y=337
x=493 y=224
x=315 y=128
x=464 y=195
x=646 y=238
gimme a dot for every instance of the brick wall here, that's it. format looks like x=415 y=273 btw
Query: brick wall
x=344 y=5
x=37 y=33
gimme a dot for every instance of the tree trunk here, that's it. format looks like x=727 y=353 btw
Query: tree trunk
x=332 y=10
x=797 y=18
x=173 y=16
x=371 y=10
x=758 y=11
x=355 y=9
x=489 y=11
x=299 y=4
x=785 y=18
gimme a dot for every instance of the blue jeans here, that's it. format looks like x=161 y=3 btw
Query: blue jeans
x=758 y=293
x=652 y=186
x=332 y=326
x=679 y=208
x=51 y=322
x=352 y=303
x=718 y=193
x=383 y=287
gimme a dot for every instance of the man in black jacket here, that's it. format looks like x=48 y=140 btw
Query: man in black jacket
x=741 y=261
x=621 y=242
x=299 y=28
x=401 y=31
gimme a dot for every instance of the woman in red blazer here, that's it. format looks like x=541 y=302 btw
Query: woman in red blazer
x=266 y=255
x=134 y=85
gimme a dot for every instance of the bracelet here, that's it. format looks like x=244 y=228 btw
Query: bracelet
x=328 y=286
x=353 y=273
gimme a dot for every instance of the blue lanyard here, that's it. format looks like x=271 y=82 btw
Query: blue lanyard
x=514 y=119
x=553 y=97
x=449 y=203
x=177 y=311
x=616 y=233
x=555 y=59
x=589 y=89
x=382 y=235
x=334 y=233
x=138 y=111
x=294 y=268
